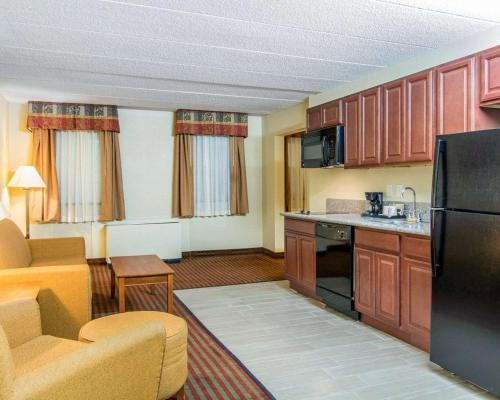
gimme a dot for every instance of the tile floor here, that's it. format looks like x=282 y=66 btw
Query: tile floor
x=299 y=350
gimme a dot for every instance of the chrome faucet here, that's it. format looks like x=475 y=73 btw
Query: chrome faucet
x=414 y=197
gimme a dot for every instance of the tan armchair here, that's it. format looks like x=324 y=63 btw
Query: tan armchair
x=58 y=267
x=33 y=366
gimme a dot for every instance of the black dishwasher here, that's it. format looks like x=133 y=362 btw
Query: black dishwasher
x=334 y=267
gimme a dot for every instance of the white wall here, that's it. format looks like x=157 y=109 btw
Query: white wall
x=147 y=151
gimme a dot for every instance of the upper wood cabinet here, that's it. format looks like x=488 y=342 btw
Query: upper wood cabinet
x=455 y=96
x=314 y=118
x=369 y=132
x=490 y=76
x=331 y=114
x=351 y=131
x=393 y=125
x=325 y=116
x=419 y=116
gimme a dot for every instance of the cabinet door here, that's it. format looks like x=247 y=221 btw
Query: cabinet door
x=314 y=118
x=490 y=75
x=455 y=97
x=387 y=288
x=364 y=296
x=351 y=131
x=331 y=113
x=291 y=256
x=370 y=126
x=307 y=261
x=394 y=126
x=419 y=116
x=416 y=284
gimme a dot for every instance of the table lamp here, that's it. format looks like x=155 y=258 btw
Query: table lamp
x=26 y=177
x=3 y=212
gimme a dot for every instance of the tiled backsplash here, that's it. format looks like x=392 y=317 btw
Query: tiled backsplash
x=358 y=206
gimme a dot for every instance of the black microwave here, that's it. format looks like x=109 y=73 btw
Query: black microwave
x=323 y=148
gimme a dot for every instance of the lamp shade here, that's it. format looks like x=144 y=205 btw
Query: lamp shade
x=3 y=212
x=26 y=177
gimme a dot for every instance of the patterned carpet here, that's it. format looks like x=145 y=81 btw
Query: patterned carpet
x=195 y=272
x=214 y=372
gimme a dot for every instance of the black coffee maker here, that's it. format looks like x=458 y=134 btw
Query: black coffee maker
x=376 y=204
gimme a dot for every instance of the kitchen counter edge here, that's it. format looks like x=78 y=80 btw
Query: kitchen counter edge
x=420 y=229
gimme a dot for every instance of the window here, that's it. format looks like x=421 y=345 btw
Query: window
x=78 y=175
x=211 y=176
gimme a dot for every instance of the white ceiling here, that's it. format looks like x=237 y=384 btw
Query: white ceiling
x=253 y=56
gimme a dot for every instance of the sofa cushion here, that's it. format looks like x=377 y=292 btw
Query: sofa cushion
x=40 y=351
x=14 y=249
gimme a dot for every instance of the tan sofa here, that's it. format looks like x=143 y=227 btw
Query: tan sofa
x=34 y=366
x=58 y=267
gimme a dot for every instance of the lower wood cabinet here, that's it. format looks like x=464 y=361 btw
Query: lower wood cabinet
x=377 y=285
x=393 y=284
x=300 y=256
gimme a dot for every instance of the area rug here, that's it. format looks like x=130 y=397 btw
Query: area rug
x=195 y=272
x=214 y=372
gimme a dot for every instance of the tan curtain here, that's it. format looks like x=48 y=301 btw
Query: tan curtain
x=296 y=183
x=45 y=204
x=113 y=204
x=238 y=182
x=183 y=190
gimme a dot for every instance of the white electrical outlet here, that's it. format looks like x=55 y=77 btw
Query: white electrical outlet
x=399 y=190
x=388 y=191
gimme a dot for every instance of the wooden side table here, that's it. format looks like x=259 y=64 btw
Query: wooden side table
x=140 y=270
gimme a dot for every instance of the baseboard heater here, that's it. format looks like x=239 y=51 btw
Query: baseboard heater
x=154 y=236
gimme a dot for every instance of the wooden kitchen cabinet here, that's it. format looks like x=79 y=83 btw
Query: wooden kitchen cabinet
x=314 y=118
x=455 y=96
x=300 y=255
x=377 y=285
x=387 y=288
x=490 y=76
x=393 y=125
x=419 y=112
x=416 y=290
x=351 y=131
x=291 y=255
x=393 y=284
x=365 y=281
x=369 y=129
x=331 y=114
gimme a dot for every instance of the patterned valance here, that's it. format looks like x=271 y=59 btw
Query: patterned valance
x=217 y=123
x=69 y=116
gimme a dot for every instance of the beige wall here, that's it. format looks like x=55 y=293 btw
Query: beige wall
x=275 y=126
x=147 y=149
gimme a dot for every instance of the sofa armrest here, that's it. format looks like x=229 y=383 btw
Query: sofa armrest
x=65 y=247
x=65 y=295
x=126 y=366
x=20 y=320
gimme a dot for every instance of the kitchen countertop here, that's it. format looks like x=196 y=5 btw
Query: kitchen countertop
x=422 y=228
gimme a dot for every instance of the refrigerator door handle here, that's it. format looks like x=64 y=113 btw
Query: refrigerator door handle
x=436 y=185
x=437 y=216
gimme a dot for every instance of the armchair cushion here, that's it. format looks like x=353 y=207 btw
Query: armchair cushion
x=40 y=351
x=6 y=368
x=14 y=249
x=20 y=320
x=57 y=251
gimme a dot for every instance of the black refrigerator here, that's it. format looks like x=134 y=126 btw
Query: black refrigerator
x=465 y=230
